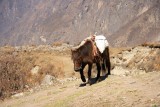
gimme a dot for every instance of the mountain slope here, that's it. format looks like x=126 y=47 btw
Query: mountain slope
x=123 y=22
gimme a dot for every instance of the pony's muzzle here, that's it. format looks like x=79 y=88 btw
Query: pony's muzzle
x=77 y=67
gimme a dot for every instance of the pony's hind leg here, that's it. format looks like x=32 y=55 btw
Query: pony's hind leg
x=107 y=58
x=99 y=71
x=89 y=73
x=108 y=64
x=103 y=67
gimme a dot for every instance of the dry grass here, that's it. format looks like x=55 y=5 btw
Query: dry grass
x=58 y=43
x=11 y=77
x=115 y=51
x=16 y=66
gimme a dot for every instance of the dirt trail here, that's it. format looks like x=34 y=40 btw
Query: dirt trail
x=114 y=91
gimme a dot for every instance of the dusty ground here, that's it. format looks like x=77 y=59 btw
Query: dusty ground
x=136 y=89
x=114 y=91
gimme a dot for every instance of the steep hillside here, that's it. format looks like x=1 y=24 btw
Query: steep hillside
x=123 y=22
x=24 y=67
x=43 y=76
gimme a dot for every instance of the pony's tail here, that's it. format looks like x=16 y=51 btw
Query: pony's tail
x=108 y=63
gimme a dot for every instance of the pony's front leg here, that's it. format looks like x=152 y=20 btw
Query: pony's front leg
x=89 y=73
x=81 y=73
x=99 y=71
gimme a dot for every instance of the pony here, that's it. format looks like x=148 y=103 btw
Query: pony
x=83 y=56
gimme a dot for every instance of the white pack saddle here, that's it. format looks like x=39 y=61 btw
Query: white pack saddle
x=101 y=42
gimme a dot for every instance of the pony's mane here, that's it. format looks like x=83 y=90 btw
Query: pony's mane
x=86 y=44
x=85 y=49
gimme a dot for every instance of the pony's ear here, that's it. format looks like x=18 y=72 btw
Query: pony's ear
x=73 y=49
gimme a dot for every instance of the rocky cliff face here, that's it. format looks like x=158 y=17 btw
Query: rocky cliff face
x=123 y=22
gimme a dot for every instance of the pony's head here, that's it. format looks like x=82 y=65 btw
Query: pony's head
x=82 y=54
x=77 y=59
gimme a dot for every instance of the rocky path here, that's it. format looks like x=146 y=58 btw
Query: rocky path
x=115 y=91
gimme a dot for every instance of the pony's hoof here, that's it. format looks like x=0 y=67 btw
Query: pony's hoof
x=77 y=71
x=83 y=79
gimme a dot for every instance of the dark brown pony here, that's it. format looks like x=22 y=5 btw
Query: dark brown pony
x=83 y=55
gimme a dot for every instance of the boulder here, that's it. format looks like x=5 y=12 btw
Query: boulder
x=48 y=80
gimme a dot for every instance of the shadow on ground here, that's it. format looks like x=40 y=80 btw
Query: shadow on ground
x=93 y=81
